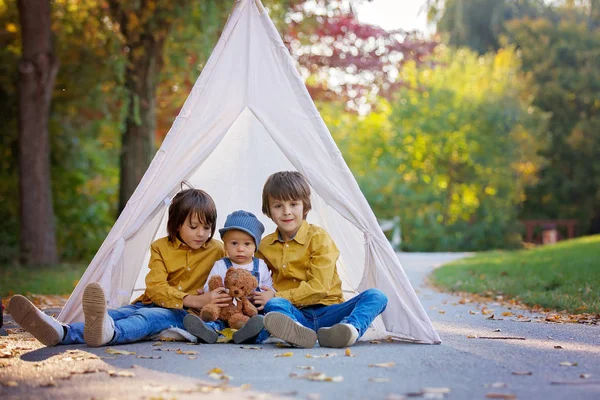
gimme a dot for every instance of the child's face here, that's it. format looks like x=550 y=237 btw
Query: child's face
x=239 y=246
x=193 y=232
x=287 y=215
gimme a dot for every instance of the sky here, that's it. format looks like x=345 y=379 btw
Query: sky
x=395 y=14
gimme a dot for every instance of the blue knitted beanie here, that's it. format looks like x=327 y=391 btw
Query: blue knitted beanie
x=246 y=222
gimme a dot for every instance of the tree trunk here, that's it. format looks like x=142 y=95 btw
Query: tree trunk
x=37 y=72
x=138 y=139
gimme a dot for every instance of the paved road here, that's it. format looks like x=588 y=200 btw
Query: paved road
x=461 y=364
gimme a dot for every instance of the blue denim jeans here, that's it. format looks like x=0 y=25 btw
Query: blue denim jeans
x=133 y=322
x=359 y=311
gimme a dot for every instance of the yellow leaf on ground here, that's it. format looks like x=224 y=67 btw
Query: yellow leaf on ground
x=215 y=370
x=348 y=352
x=507 y=314
x=321 y=356
x=227 y=335
x=187 y=352
x=383 y=365
x=110 y=350
x=288 y=354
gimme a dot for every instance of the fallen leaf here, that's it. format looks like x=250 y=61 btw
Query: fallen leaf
x=383 y=365
x=157 y=344
x=472 y=312
x=10 y=384
x=227 y=335
x=215 y=370
x=50 y=383
x=305 y=367
x=287 y=354
x=522 y=373
x=348 y=352
x=585 y=376
x=110 y=350
x=320 y=377
x=442 y=312
x=495 y=385
x=500 y=396
x=321 y=356
x=507 y=314
x=124 y=374
x=250 y=347
x=558 y=347
x=148 y=357
x=471 y=337
x=568 y=364
x=188 y=352
x=379 y=380
x=5 y=353
x=375 y=342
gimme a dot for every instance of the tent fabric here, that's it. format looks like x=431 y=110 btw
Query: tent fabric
x=249 y=115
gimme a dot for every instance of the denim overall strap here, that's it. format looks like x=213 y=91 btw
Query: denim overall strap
x=227 y=262
x=255 y=262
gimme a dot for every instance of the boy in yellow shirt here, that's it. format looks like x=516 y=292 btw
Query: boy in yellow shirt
x=308 y=302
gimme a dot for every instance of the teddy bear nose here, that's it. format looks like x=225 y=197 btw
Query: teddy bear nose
x=236 y=291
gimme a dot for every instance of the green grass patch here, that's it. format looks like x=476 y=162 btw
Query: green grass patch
x=564 y=276
x=58 y=279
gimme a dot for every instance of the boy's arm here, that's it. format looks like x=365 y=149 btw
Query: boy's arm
x=320 y=274
x=157 y=286
x=218 y=269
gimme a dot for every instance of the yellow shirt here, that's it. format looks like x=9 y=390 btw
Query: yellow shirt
x=304 y=270
x=176 y=271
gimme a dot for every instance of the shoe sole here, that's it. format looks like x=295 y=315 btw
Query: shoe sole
x=26 y=315
x=283 y=327
x=194 y=325
x=251 y=329
x=336 y=337
x=94 y=311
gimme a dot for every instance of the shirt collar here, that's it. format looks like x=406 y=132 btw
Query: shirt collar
x=299 y=237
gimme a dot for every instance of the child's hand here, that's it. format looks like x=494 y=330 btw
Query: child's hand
x=261 y=298
x=218 y=296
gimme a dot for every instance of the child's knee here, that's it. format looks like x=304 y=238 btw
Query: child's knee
x=276 y=304
x=377 y=296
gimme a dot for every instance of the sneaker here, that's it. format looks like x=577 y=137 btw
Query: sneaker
x=43 y=327
x=99 y=327
x=339 y=335
x=283 y=327
x=249 y=332
x=194 y=325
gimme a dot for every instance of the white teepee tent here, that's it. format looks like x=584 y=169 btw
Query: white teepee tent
x=248 y=116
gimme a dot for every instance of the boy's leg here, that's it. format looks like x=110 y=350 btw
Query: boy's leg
x=148 y=320
x=43 y=327
x=342 y=324
x=205 y=331
x=284 y=321
x=74 y=332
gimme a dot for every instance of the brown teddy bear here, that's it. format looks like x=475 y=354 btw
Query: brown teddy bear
x=241 y=284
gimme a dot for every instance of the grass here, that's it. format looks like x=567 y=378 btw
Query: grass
x=564 y=276
x=59 y=279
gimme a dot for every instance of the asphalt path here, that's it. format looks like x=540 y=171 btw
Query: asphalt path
x=553 y=361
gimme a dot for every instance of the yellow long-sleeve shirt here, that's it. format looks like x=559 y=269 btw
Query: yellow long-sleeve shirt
x=304 y=270
x=176 y=271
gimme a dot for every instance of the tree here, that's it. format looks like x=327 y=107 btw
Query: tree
x=563 y=60
x=479 y=24
x=37 y=73
x=345 y=60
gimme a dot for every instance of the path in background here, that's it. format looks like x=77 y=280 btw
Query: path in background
x=461 y=364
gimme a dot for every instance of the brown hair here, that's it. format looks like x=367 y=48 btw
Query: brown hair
x=286 y=186
x=187 y=203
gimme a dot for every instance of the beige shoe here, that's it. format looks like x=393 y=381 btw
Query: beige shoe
x=43 y=327
x=99 y=327
x=283 y=327
x=339 y=335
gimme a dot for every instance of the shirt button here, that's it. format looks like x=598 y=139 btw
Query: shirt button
x=180 y=288
x=162 y=304
x=176 y=305
x=287 y=245
x=283 y=265
x=189 y=269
